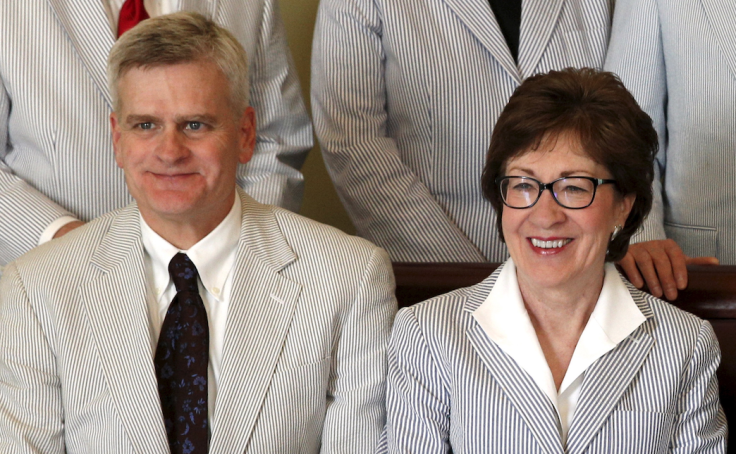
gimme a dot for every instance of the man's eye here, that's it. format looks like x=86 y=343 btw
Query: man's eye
x=145 y=125
x=194 y=125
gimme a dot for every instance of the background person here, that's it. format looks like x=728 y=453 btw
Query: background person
x=554 y=351
x=660 y=48
x=404 y=98
x=56 y=157
x=276 y=324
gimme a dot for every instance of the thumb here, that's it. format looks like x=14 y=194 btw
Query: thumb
x=701 y=261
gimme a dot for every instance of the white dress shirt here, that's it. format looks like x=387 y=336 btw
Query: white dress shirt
x=505 y=320
x=214 y=257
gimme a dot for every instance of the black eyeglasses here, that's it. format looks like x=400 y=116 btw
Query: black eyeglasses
x=574 y=193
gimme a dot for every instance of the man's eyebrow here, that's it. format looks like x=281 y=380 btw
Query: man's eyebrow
x=204 y=118
x=135 y=119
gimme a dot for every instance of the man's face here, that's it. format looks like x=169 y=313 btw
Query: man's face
x=179 y=142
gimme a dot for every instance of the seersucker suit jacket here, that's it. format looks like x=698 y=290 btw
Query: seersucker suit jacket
x=451 y=386
x=678 y=58
x=56 y=152
x=304 y=356
x=405 y=95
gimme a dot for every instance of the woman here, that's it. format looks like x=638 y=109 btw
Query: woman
x=555 y=352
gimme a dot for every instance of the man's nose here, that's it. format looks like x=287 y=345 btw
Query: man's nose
x=173 y=146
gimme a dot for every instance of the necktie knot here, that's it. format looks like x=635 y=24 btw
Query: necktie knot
x=183 y=273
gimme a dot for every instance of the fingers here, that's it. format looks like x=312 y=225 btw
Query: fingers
x=643 y=254
x=628 y=264
x=662 y=265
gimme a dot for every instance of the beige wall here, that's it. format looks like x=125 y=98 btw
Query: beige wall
x=320 y=199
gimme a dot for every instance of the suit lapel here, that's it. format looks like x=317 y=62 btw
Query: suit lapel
x=721 y=14
x=482 y=24
x=261 y=309
x=529 y=401
x=606 y=381
x=538 y=21
x=88 y=27
x=115 y=301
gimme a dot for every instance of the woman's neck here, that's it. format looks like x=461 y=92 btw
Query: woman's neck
x=559 y=316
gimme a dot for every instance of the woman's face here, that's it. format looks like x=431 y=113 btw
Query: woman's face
x=579 y=237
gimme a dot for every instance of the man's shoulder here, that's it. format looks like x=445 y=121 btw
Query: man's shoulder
x=72 y=251
x=317 y=251
x=311 y=233
x=266 y=227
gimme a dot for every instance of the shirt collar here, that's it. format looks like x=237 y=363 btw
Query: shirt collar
x=214 y=255
x=613 y=319
x=505 y=320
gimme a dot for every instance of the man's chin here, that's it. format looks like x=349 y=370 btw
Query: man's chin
x=174 y=207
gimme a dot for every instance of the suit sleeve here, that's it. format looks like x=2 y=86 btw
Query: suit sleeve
x=636 y=54
x=24 y=212
x=417 y=399
x=31 y=416
x=385 y=199
x=356 y=388
x=284 y=132
x=701 y=424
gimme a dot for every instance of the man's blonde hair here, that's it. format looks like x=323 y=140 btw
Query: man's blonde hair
x=182 y=37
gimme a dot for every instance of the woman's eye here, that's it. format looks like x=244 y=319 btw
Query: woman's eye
x=522 y=187
x=575 y=189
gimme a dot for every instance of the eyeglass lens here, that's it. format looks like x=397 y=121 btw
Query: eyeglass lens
x=523 y=192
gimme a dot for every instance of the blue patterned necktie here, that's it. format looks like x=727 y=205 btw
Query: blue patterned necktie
x=181 y=362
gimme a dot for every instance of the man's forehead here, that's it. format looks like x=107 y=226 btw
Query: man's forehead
x=144 y=67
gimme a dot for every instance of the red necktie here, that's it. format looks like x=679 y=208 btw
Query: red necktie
x=132 y=12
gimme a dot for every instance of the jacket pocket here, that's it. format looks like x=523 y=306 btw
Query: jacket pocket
x=638 y=432
x=695 y=240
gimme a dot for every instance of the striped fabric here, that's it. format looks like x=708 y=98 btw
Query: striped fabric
x=405 y=95
x=55 y=149
x=304 y=360
x=678 y=58
x=450 y=386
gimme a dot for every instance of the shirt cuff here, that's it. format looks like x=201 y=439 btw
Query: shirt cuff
x=54 y=227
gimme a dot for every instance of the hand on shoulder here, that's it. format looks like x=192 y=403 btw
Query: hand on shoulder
x=661 y=265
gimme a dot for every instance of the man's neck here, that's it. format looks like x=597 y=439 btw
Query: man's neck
x=183 y=232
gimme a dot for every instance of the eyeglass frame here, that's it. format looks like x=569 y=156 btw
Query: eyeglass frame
x=544 y=186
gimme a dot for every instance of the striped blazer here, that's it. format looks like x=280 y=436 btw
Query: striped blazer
x=304 y=360
x=451 y=386
x=56 y=154
x=678 y=58
x=405 y=95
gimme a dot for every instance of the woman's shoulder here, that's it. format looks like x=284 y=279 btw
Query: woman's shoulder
x=444 y=319
x=452 y=307
x=670 y=325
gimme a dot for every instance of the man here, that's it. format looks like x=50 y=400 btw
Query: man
x=405 y=95
x=679 y=61
x=56 y=160
x=102 y=352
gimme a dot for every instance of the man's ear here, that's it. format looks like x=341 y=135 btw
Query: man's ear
x=115 y=126
x=247 y=135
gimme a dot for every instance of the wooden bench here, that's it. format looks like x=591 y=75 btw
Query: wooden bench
x=711 y=294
